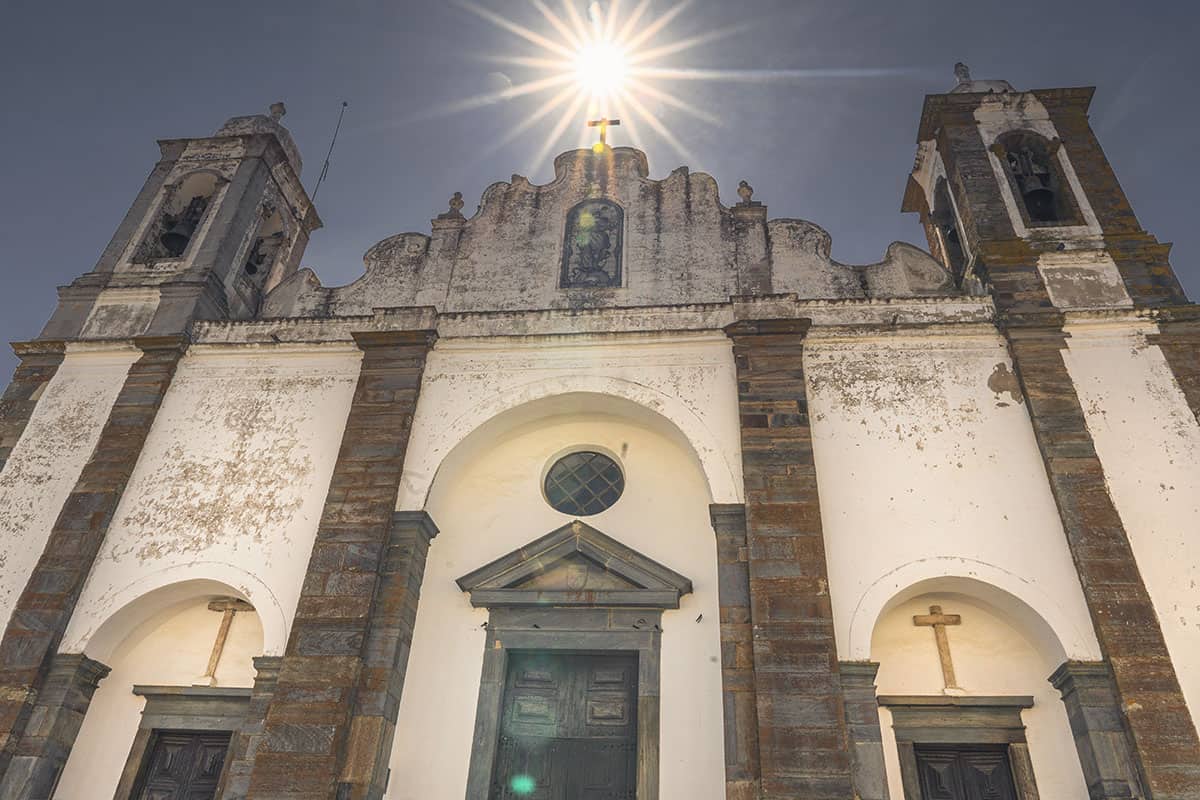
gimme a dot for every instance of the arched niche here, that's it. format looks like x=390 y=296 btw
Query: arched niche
x=175 y=666
x=440 y=443
x=486 y=496
x=1042 y=620
x=100 y=628
x=1035 y=175
x=184 y=207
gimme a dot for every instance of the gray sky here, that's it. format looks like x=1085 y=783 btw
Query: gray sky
x=86 y=88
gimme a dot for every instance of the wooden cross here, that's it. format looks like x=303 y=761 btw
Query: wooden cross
x=228 y=606
x=603 y=124
x=938 y=621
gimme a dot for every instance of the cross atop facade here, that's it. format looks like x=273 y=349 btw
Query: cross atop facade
x=938 y=621
x=603 y=124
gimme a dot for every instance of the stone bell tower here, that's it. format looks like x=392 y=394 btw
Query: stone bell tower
x=219 y=222
x=1016 y=194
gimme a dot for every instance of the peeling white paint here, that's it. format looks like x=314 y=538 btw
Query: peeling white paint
x=927 y=467
x=45 y=464
x=1149 y=444
x=230 y=485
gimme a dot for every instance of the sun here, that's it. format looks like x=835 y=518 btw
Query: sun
x=610 y=59
x=601 y=68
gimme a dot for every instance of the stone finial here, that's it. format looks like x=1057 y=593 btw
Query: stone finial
x=962 y=72
x=278 y=110
x=456 y=207
x=746 y=192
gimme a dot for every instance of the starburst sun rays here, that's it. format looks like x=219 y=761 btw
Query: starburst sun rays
x=599 y=61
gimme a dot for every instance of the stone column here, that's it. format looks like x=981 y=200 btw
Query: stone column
x=45 y=607
x=1094 y=711
x=40 y=359
x=338 y=694
x=737 y=652
x=1179 y=340
x=235 y=782
x=866 y=740
x=1124 y=618
x=53 y=725
x=802 y=739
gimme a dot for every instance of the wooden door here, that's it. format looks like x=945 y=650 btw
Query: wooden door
x=183 y=765
x=568 y=729
x=965 y=773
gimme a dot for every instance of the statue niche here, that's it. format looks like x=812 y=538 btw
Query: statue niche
x=592 y=245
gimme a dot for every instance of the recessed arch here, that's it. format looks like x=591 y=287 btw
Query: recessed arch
x=438 y=438
x=1030 y=609
x=98 y=630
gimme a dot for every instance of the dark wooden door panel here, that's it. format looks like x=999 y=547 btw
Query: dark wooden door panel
x=569 y=728
x=965 y=773
x=183 y=765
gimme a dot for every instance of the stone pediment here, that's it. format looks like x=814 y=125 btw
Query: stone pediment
x=575 y=565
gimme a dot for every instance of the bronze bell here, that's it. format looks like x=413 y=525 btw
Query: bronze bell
x=175 y=238
x=1038 y=199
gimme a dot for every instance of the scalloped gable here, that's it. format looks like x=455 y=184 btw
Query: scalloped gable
x=681 y=247
x=575 y=565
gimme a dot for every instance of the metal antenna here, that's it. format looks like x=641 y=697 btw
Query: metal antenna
x=325 y=166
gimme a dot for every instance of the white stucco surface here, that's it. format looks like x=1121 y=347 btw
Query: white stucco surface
x=991 y=657
x=230 y=484
x=928 y=467
x=487 y=501
x=46 y=462
x=1149 y=444
x=688 y=378
x=170 y=648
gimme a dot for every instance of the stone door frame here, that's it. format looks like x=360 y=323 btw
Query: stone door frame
x=955 y=720
x=181 y=708
x=577 y=631
x=540 y=601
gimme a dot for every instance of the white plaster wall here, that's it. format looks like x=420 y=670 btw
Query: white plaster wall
x=991 y=657
x=230 y=484
x=487 y=501
x=688 y=378
x=45 y=464
x=927 y=466
x=171 y=648
x=1149 y=444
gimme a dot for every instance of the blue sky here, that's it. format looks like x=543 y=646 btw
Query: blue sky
x=88 y=87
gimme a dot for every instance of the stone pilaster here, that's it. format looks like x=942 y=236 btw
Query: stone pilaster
x=866 y=740
x=39 y=361
x=802 y=739
x=337 y=696
x=1094 y=711
x=235 y=781
x=1179 y=341
x=737 y=652
x=1125 y=621
x=53 y=725
x=45 y=606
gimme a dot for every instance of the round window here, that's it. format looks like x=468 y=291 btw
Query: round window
x=584 y=483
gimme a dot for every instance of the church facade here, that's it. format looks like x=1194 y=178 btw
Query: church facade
x=612 y=491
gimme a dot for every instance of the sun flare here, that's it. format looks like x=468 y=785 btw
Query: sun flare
x=610 y=59
x=601 y=68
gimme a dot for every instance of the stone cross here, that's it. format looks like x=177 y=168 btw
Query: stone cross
x=228 y=606
x=938 y=621
x=603 y=124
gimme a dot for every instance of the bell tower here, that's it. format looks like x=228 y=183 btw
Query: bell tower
x=219 y=222
x=1017 y=198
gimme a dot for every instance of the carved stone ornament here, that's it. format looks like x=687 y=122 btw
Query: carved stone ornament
x=592 y=245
